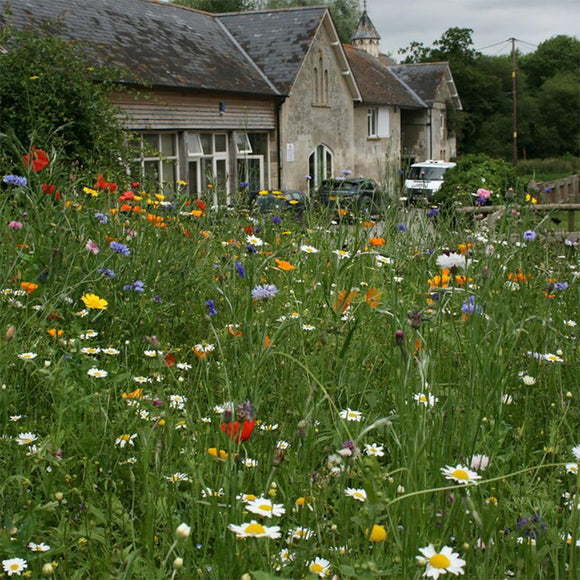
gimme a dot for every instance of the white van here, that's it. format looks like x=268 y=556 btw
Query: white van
x=424 y=179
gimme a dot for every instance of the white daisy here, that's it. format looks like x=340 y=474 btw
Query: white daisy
x=209 y=492
x=374 y=450
x=42 y=547
x=576 y=452
x=342 y=254
x=26 y=356
x=301 y=533
x=111 y=351
x=570 y=323
x=380 y=260
x=358 y=494
x=26 y=438
x=125 y=439
x=572 y=468
x=528 y=380
x=264 y=507
x=283 y=445
x=428 y=400
x=460 y=473
x=320 y=567
x=97 y=373
x=254 y=241
x=308 y=327
x=255 y=530
x=248 y=462
x=152 y=353
x=177 y=477
x=14 y=566
x=440 y=562
x=351 y=415
x=245 y=497
x=309 y=249
x=90 y=350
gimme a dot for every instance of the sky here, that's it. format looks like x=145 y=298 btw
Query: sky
x=493 y=22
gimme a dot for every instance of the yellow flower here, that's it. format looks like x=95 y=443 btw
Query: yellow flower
x=55 y=332
x=378 y=534
x=218 y=454
x=94 y=302
x=90 y=192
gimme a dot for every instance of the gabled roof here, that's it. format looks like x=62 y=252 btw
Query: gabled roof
x=365 y=29
x=162 y=44
x=276 y=40
x=377 y=82
x=426 y=78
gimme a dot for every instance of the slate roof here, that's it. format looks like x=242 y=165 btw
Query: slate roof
x=365 y=29
x=425 y=78
x=377 y=82
x=276 y=40
x=163 y=44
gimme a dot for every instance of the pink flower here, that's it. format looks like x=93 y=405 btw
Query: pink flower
x=483 y=193
x=92 y=247
x=15 y=225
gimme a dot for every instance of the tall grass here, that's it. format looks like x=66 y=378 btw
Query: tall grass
x=364 y=370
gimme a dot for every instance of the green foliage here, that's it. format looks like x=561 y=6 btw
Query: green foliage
x=218 y=6
x=473 y=172
x=53 y=97
x=548 y=95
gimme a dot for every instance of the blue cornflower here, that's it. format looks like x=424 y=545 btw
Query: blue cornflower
x=401 y=228
x=101 y=217
x=15 y=180
x=433 y=212
x=264 y=292
x=137 y=286
x=529 y=236
x=241 y=270
x=156 y=298
x=244 y=184
x=120 y=248
x=251 y=250
x=470 y=307
x=107 y=273
x=560 y=285
x=211 y=307
x=276 y=220
x=346 y=172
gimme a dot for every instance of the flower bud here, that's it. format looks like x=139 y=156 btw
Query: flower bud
x=48 y=569
x=178 y=563
x=183 y=531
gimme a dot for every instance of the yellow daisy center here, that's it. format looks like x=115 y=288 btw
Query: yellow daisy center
x=358 y=495
x=266 y=507
x=316 y=568
x=255 y=528
x=124 y=437
x=423 y=399
x=15 y=566
x=439 y=561
x=460 y=474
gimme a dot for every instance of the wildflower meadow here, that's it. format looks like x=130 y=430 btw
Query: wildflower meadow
x=189 y=392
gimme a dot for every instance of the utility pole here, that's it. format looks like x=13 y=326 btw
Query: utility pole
x=515 y=103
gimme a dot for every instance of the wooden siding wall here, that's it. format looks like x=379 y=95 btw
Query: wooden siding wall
x=180 y=110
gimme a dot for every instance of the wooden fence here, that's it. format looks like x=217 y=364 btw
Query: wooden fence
x=566 y=190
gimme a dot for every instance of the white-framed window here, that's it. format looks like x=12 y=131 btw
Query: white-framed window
x=442 y=123
x=158 y=162
x=320 y=165
x=372 y=121
x=243 y=144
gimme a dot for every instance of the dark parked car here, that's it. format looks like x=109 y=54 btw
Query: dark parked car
x=354 y=194
x=278 y=201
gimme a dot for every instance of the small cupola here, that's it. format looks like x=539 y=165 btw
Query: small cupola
x=366 y=37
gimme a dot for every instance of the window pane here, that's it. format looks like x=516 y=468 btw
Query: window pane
x=150 y=144
x=206 y=143
x=328 y=164
x=194 y=144
x=168 y=144
x=220 y=166
x=312 y=169
x=243 y=143
x=193 y=176
x=152 y=173
x=169 y=174
x=221 y=143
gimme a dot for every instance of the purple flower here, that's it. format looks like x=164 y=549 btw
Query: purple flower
x=15 y=225
x=244 y=184
x=433 y=212
x=137 y=286
x=245 y=411
x=560 y=286
x=470 y=307
x=264 y=292
x=529 y=236
x=251 y=250
x=15 y=180
x=401 y=228
x=346 y=172
x=276 y=220
x=241 y=270
x=101 y=217
x=157 y=298
x=211 y=307
x=107 y=273
x=120 y=248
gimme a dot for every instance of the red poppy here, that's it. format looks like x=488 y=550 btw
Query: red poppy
x=200 y=204
x=103 y=185
x=134 y=184
x=127 y=196
x=36 y=160
x=233 y=430
x=248 y=230
x=51 y=190
x=169 y=359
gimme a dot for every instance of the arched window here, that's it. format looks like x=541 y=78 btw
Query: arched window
x=320 y=164
x=316 y=88
x=325 y=96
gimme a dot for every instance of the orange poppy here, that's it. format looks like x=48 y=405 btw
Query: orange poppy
x=55 y=332
x=372 y=298
x=29 y=287
x=136 y=394
x=234 y=331
x=283 y=265
x=377 y=242
x=344 y=300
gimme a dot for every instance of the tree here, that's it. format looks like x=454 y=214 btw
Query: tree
x=217 y=6
x=51 y=98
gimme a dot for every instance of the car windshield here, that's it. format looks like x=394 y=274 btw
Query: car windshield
x=427 y=173
x=338 y=186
